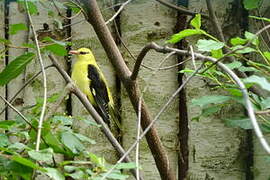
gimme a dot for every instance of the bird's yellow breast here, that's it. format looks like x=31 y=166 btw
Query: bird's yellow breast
x=79 y=76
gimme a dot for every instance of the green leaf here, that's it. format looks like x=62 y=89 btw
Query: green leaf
x=238 y=41
x=54 y=174
x=242 y=49
x=248 y=69
x=251 y=4
x=207 y=111
x=15 y=68
x=260 y=18
x=217 y=53
x=97 y=160
x=117 y=176
x=14 y=28
x=54 y=143
x=205 y=100
x=17 y=146
x=7 y=124
x=265 y=103
x=84 y=138
x=196 y=21
x=32 y=7
x=209 y=45
x=19 y=170
x=261 y=81
x=77 y=175
x=267 y=55
x=64 y=120
x=42 y=155
x=57 y=49
x=72 y=142
x=243 y=123
x=4 y=140
x=185 y=33
x=252 y=37
x=26 y=162
x=234 y=65
x=130 y=165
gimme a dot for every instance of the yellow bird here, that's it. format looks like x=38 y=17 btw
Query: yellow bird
x=88 y=77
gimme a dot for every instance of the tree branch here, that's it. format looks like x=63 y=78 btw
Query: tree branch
x=96 y=20
x=42 y=114
x=88 y=106
x=180 y=9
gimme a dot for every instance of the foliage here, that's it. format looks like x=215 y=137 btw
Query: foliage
x=59 y=140
x=241 y=47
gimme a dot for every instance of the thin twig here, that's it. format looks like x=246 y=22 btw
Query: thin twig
x=22 y=88
x=214 y=21
x=118 y=12
x=263 y=112
x=138 y=135
x=18 y=112
x=44 y=78
x=192 y=56
x=180 y=9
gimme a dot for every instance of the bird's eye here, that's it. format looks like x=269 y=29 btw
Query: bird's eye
x=82 y=52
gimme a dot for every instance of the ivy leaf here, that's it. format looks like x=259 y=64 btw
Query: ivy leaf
x=72 y=142
x=209 y=100
x=196 y=21
x=243 y=123
x=252 y=37
x=54 y=174
x=14 y=28
x=15 y=68
x=185 y=33
x=209 y=45
x=238 y=41
x=261 y=81
x=42 y=155
x=251 y=4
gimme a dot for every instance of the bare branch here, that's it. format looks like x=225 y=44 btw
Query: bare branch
x=138 y=135
x=192 y=56
x=96 y=20
x=249 y=107
x=180 y=9
x=139 y=60
x=155 y=119
x=92 y=111
x=215 y=21
x=42 y=114
x=17 y=111
x=118 y=12
x=266 y=112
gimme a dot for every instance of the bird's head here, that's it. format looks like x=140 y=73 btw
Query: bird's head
x=83 y=54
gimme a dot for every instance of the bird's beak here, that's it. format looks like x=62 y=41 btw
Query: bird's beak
x=74 y=52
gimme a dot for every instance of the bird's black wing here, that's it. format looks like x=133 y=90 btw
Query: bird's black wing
x=99 y=92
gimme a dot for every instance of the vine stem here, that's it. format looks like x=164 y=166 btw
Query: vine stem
x=42 y=115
